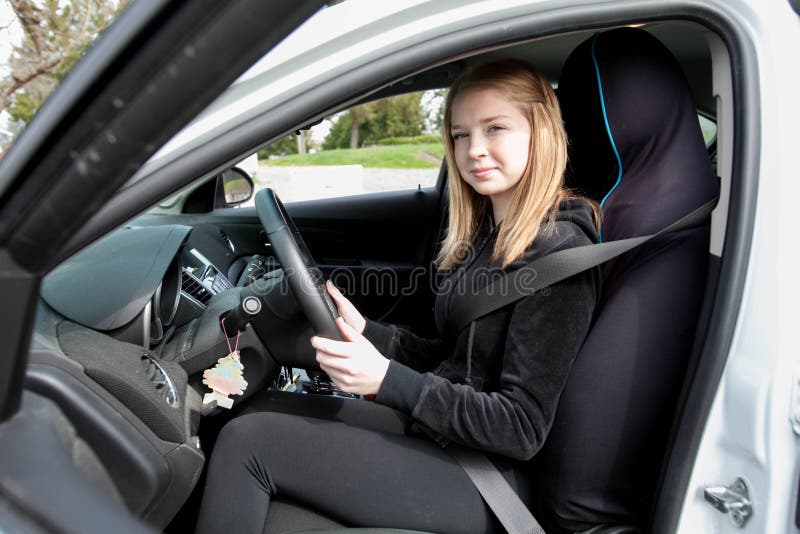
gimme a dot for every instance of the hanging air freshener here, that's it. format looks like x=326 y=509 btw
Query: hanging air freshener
x=226 y=377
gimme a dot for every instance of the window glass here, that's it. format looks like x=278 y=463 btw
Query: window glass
x=40 y=42
x=709 y=129
x=385 y=145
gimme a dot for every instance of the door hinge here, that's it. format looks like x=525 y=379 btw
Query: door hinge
x=733 y=500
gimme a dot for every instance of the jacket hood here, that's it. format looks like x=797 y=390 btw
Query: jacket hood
x=574 y=226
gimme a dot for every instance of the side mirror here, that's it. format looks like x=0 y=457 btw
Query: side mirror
x=236 y=187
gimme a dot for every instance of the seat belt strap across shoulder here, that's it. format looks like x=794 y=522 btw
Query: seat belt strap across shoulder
x=560 y=265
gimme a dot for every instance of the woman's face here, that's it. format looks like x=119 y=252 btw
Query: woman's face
x=492 y=140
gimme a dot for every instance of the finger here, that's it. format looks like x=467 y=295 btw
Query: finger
x=347 y=331
x=352 y=334
x=333 y=365
x=317 y=342
x=334 y=292
x=330 y=371
x=321 y=343
x=346 y=307
x=332 y=347
x=324 y=360
x=342 y=304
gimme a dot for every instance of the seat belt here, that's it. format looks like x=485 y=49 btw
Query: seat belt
x=498 y=494
x=496 y=491
x=547 y=270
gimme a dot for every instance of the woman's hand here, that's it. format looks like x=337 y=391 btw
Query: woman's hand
x=355 y=365
x=346 y=309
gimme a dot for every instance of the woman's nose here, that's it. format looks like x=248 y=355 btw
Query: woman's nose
x=477 y=146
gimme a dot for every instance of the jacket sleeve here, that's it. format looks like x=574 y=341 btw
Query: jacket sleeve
x=544 y=336
x=404 y=347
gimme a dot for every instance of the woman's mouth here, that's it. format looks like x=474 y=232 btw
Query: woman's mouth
x=483 y=173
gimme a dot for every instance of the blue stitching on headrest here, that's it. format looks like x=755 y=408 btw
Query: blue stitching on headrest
x=608 y=128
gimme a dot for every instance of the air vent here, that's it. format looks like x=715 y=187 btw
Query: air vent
x=160 y=380
x=192 y=287
x=227 y=240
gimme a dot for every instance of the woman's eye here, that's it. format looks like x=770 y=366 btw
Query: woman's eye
x=495 y=128
x=458 y=135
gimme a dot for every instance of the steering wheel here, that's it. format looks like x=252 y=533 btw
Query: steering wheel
x=299 y=268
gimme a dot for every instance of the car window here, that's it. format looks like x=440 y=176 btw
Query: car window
x=39 y=45
x=709 y=129
x=385 y=145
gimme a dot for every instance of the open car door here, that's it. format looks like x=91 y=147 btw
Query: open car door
x=114 y=110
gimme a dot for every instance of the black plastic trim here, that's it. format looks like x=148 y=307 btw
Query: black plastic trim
x=40 y=476
x=138 y=469
x=19 y=289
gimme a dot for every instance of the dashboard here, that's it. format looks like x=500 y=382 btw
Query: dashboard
x=137 y=282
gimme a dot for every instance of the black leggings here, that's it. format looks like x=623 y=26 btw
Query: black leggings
x=348 y=459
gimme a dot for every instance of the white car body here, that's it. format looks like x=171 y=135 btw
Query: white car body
x=753 y=427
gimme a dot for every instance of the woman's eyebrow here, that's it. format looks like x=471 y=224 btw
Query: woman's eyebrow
x=482 y=121
x=494 y=118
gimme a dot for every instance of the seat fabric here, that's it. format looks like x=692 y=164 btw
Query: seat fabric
x=636 y=146
x=286 y=517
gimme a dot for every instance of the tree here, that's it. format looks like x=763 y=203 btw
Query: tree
x=338 y=136
x=358 y=116
x=364 y=125
x=285 y=145
x=56 y=34
x=433 y=109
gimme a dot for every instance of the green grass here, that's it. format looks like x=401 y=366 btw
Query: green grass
x=709 y=134
x=388 y=157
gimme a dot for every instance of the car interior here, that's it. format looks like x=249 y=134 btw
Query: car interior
x=125 y=328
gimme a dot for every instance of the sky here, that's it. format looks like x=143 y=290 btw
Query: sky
x=10 y=32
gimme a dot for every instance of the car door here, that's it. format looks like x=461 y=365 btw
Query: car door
x=378 y=247
x=738 y=467
x=95 y=131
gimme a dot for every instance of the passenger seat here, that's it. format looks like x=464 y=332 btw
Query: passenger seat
x=635 y=147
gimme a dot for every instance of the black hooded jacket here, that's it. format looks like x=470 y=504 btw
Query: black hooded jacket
x=495 y=385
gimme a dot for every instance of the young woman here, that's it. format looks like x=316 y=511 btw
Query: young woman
x=493 y=386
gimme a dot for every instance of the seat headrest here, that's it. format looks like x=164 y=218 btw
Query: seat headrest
x=635 y=140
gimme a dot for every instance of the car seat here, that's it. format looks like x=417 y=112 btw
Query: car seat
x=635 y=147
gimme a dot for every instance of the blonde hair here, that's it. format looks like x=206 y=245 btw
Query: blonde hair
x=540 y=190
